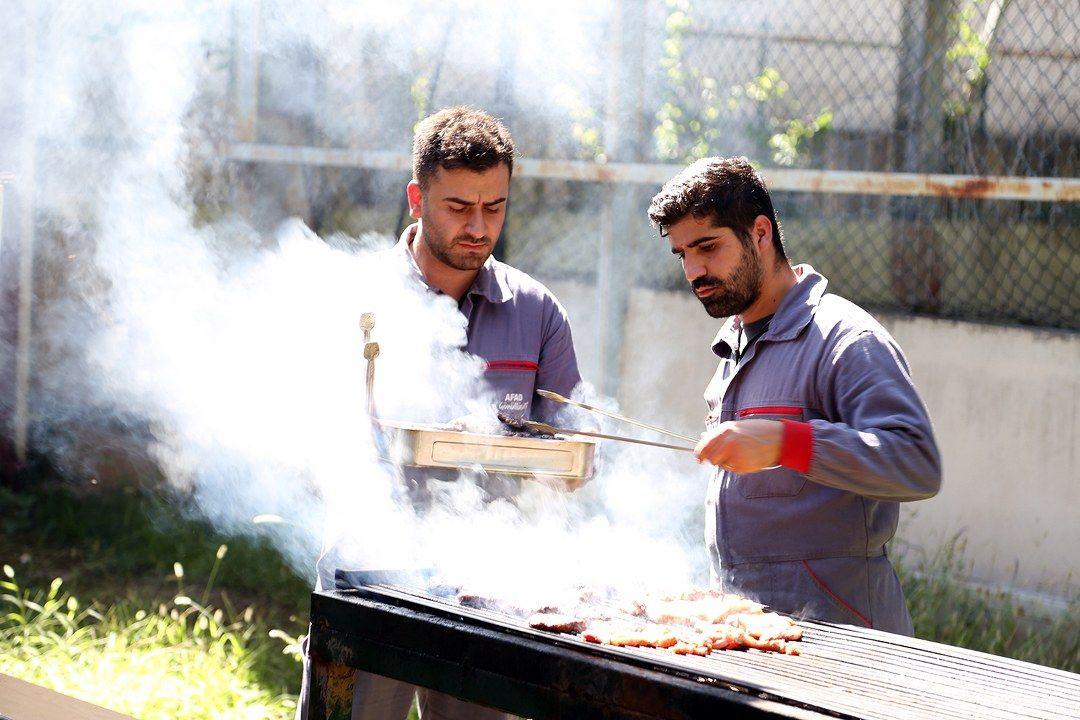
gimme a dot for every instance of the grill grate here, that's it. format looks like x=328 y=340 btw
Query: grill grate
x=497 y=659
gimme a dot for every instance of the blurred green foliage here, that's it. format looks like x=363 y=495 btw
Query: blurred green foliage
x=947 y=609
x=697 y=112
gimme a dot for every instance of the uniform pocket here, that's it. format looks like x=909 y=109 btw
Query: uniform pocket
x=514 y=382
x=770 y=412
x=776 y=482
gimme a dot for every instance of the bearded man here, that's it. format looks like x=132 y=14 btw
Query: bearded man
x=814 y=425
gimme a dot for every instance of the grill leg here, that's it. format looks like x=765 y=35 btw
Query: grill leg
x=330 y=693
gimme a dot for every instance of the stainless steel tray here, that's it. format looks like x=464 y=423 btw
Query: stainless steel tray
x=422 y=445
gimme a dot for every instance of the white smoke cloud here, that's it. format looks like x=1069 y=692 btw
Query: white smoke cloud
x=247 y=364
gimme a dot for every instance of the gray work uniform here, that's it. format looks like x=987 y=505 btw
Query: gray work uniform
x=813 y=543
x=521 y=331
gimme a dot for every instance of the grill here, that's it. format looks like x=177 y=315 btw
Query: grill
x=497 y=660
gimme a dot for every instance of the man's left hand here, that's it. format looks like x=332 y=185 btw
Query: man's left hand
x=742 y=446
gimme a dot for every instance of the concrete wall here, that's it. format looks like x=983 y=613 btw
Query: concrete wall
x=1005 y=402
x=1006 y=407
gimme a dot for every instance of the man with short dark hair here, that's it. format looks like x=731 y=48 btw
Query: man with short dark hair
x=814 y=425
x=462 y=162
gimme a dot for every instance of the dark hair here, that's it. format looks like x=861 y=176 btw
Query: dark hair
x=459 y=137
x=728 y=191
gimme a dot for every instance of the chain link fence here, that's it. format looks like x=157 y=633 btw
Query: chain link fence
x=946 y=87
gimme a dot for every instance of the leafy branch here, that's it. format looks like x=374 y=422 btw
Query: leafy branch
x=970 y=54
x=695 y=109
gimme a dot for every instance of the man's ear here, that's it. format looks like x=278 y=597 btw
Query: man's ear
x=762 y=232
x=415 y=197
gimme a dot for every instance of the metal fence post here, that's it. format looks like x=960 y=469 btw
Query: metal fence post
x=504 y=89
x=27 y=232
x=916 y=265
x=245 y=105
x=8 y=458
x=620 y=212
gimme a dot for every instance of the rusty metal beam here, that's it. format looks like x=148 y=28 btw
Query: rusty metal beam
x=327 y=157
x=984 y=187
x=795 y=39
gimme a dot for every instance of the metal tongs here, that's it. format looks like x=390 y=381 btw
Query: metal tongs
x=545 y=428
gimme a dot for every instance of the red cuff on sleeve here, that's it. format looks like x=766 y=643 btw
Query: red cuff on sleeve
x=796 y=445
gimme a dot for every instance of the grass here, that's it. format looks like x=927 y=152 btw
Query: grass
x=948 y=610
x=187 y=622
x=182 y=660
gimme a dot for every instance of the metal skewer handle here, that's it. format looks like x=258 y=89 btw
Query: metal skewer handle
x=559 y=398
x=371 y=351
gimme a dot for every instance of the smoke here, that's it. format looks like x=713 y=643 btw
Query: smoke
x=235 y=355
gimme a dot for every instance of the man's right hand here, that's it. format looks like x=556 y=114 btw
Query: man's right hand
x=742 y=446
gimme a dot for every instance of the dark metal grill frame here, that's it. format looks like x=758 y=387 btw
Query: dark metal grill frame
x=497 y=660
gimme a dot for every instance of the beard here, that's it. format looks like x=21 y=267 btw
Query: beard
x=739 y=291
x=448 y=251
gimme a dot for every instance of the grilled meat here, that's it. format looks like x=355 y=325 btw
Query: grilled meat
x=556 y=622
x=766 y=625
x=626 y=635
x=517 y=427
x=710 y=608
x=692 y=623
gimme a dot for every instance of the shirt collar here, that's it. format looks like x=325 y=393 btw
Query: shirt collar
x=491 y=282
x=791 y=316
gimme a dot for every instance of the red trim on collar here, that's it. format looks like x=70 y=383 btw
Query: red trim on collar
x=769 y=410
x=512 y=366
